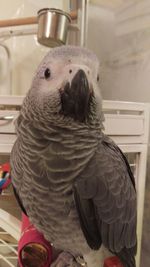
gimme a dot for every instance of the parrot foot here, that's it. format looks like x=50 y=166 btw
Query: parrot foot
x=65 y=259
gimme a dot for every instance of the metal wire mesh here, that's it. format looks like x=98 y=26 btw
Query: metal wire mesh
x=8 y=249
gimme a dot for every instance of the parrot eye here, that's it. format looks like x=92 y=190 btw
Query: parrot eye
x=70 y=71
x=47 y=73
x=97 y=78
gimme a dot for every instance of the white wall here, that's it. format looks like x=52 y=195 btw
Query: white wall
x=100 y=31
x=127 y=78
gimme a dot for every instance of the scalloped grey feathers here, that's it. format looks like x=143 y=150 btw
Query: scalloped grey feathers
x=74 y=183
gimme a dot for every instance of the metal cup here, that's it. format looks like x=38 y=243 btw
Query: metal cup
x=52 y=26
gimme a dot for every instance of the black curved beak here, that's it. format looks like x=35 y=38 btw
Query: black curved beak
x=75 y=98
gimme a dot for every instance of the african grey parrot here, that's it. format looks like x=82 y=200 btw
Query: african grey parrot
x=73 y=182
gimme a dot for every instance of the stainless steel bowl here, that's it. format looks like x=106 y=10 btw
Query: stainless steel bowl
x=52 y=26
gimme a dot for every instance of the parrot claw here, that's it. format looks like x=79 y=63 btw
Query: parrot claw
x=65 y=259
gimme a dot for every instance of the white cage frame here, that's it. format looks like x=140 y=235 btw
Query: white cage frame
x=125 y=122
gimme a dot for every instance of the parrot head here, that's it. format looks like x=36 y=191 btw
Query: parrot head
x=66 y=86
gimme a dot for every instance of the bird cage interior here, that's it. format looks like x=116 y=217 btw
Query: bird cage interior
x=117 y=31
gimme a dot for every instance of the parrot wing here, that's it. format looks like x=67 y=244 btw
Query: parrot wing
x=105 y=198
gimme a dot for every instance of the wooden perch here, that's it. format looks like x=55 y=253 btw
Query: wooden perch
x=28 y=20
